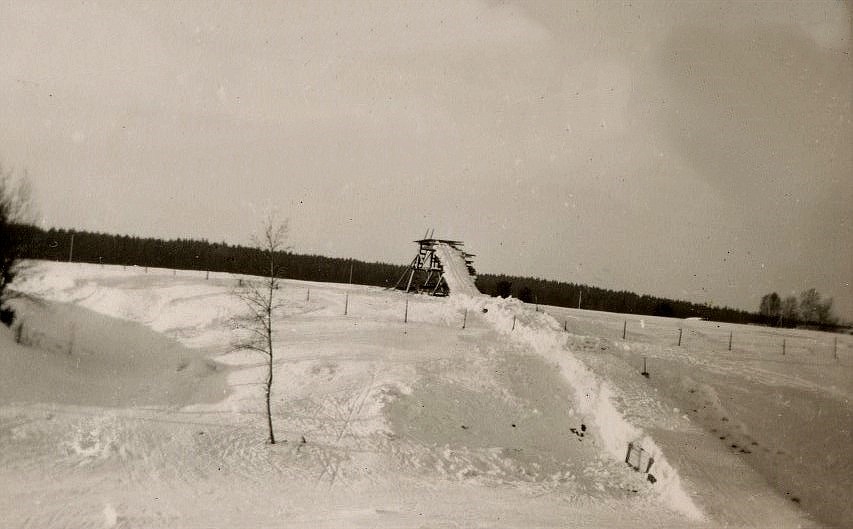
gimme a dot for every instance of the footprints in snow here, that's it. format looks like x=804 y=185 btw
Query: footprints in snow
x=709 y=410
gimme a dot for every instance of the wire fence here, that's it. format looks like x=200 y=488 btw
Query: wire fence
x=700 y=336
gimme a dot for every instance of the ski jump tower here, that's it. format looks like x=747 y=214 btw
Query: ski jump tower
x=441 y=267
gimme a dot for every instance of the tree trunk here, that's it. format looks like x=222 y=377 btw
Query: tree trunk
x=270 y=349
x=269 y=409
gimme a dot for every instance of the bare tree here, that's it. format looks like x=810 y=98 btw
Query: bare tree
x=262 y=302
x=15 y=208
x=789 y=311
x=771 y=307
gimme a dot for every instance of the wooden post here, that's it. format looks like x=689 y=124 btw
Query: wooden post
x=308 y=295
x=680 y=331
x=71 y=249
x=406 y=315
x=397 y=284
x=645 y=372
x=565 y=325
x=207 y=274
x=513 y=322
x=71 y=338
x=783 y=346
x=465 y=318
x=624 y=329
x=835 y=348
x=730 y=340
x=409 y=284
x=428 y=277
x=346 y=304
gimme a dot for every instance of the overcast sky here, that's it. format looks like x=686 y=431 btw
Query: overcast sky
x=701 y=151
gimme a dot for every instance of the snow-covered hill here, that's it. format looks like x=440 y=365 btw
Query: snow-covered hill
x=129 y=409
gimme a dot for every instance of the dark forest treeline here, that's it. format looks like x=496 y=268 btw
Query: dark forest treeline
x=193 y=254
x=547 y=292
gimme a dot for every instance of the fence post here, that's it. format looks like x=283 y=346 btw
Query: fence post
x=513 y=322
x=624 y=329
x=783 y=346
x=566 y=325
x=680 y=331
x=71 y=338
x=346 y=304
x=730 y=340
x=835 y=348
x=406 y=315
x=465 y=318
x=308 y=295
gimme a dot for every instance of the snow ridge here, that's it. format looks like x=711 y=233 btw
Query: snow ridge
x=543 y=334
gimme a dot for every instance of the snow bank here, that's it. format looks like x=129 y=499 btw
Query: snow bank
x=594 y=397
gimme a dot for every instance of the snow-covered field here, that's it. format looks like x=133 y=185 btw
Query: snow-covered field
x=127 y=408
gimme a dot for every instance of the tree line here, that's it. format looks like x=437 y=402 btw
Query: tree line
x=199 y=254
x=193 y=254
x=809 y=309
x=561 y=294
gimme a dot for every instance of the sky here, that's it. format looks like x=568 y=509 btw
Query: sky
x=694 y=150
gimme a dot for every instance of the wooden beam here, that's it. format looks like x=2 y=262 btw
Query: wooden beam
x=397 y=284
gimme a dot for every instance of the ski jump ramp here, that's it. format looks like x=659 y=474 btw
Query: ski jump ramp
x=440 y=268
x=457 y=272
